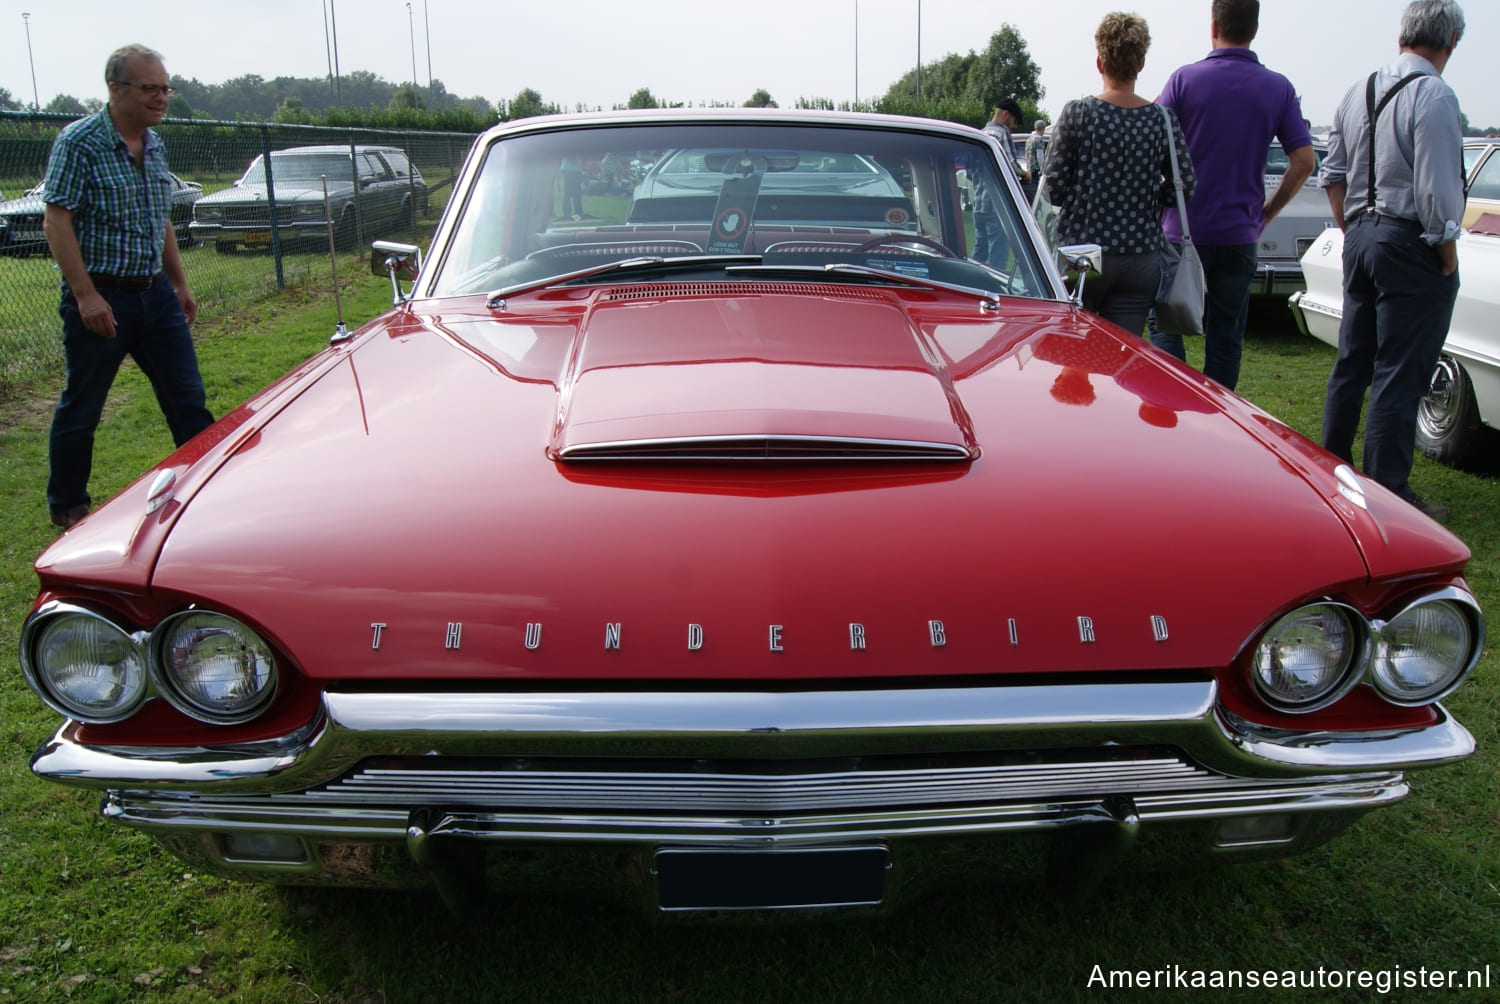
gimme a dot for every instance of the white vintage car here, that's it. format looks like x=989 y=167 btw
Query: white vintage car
x=1457 y=420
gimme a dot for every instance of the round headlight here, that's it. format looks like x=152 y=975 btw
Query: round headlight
x=84 y=666
x=213 y=667
x=1306 y=660
x=1422 y=653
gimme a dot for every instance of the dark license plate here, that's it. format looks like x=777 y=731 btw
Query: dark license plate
x=696 y=878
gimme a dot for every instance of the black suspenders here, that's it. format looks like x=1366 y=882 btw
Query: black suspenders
x=1373 y=110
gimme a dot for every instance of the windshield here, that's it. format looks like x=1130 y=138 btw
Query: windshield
x=930 y=206
x=300 y=167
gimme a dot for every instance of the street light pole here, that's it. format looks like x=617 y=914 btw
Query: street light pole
x=338 y=85
x=411 y=27
x=36 y=101
x=919 y=50
x=856 y=53
x=427 y=34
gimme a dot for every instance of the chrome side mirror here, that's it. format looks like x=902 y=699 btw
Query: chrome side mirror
x=1082 y=259
x=399 y=261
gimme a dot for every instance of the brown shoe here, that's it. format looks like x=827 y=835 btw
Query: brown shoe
x=67 y=520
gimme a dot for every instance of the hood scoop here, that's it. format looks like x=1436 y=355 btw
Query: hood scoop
x=758 y=375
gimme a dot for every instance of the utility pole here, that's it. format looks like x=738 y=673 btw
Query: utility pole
x=919 y=50
x=427 y=34
x=411 y=27
x=36 y=101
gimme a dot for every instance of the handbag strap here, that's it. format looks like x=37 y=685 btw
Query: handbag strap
x=1166 y=118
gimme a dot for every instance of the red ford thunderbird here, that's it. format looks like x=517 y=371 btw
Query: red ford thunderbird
x=775 y=534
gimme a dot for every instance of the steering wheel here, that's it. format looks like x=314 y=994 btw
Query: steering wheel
x=897 y=240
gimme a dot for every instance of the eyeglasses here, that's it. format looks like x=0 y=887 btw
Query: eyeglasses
x=150 y=90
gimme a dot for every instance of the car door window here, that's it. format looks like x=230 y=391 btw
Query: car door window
x=1486 y=183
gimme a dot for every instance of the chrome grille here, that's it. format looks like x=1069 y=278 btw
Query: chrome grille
x=256 y=214
x=665 y=791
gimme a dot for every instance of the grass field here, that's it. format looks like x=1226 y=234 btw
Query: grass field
x=90 y=911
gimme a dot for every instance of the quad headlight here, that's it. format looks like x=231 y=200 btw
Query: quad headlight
x=1310 y=658
x=83 y=665
x=1315 y=654
x=212 y=667
x=207 y=665
x=1425 y=651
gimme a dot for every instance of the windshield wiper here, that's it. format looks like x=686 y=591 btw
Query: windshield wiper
x=990 y=301
x=495 y=300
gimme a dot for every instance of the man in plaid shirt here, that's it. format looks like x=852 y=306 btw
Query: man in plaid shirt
x=108 y=197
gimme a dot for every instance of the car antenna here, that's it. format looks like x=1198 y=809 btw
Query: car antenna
x=341 y=330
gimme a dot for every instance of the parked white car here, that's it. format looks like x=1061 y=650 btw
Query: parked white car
x=1459 y=416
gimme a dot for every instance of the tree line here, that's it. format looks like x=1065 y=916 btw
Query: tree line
x=957 y=88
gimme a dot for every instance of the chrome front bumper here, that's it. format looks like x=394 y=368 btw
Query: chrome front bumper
x=1277 y=279
x=404 y=788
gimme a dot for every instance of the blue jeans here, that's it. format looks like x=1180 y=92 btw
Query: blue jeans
x=151 y=329
x=1397 y=305
x=1228 y=270
x=990 y=245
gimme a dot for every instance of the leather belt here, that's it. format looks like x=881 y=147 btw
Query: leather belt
x=133 y=283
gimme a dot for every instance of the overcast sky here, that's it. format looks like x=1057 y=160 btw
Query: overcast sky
x=598 y=52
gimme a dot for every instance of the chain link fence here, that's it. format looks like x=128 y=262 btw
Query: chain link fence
x=233 y=180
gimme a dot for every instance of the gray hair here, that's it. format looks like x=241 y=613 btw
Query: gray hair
x=114 y=67
x=1434 y=24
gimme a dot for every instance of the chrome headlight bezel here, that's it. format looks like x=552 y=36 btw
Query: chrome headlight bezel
x=1457 y=601
x=1340 y=680
x=34 y=635
x=176 y=686
x=1370 y=662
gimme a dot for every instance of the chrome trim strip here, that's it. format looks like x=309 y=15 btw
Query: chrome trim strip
x=777 y=448
x=167 y=814
x=1182 y=715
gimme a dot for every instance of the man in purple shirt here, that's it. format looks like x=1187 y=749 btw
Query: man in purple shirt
x=1230 y=108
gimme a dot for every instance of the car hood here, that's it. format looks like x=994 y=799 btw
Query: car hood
x=24 y=205
x=286 y=192
x=402 y=506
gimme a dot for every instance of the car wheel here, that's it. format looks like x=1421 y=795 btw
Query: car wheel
x=1448 y=424
x=344 y=233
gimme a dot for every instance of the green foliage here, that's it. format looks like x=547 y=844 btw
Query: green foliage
x=1004 y=70
x=292 y=111
x=407 y=97
x=526 y=104
x=642 y=98
x=9 y=103
x=761 y=99
x=65 y=104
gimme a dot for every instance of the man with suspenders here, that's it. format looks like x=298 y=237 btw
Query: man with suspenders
x=1394 y=179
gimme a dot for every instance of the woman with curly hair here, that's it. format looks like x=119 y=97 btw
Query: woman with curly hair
x=1109 y=173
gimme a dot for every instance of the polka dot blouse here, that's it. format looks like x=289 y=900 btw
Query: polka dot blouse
x=1109 y=175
